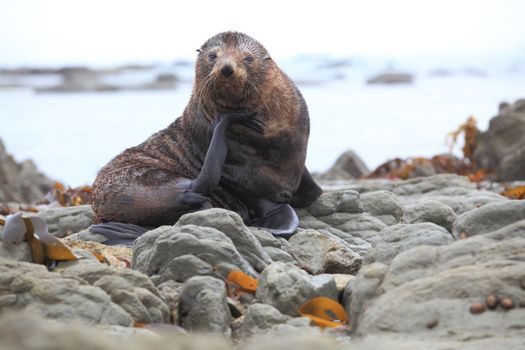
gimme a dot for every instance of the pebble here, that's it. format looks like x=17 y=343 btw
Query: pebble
x=432 y=323
x=507 y=303
x=477 y=308
x=492 y=301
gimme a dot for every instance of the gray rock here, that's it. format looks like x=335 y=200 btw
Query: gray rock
x=170 y=293
x=332 y=202
x=279 y=255
x=63 y=222
x=287 y=288
x=259 y=318
x=502 y=147
x=320 y=252
x=430 y=211
x=203 y=306
x=362 y=225
x=184 y=267
x=154 y=250
x=15 y=251
x=391 y=78
x=401 y=237
x=489 y=217
x=348 y=166
x=130 y=289
x=52 y=295
x=231 y=224
x=384 y=205
x=21 y=182
x=439 y=283
x=265 y=238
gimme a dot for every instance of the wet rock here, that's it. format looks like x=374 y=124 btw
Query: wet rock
x=384 y=205
x=321 y=252
x=502 y=147
x=489 y=218
x=286 y=287
x=21 y=182
x=430 y=211
x=348 y=166
x=65 y=221
x=203 y=306
x=154 y=250
x=231 y=224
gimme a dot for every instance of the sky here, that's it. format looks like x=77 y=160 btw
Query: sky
x=54 y=32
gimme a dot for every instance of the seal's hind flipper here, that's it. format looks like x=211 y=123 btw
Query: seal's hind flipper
x=118 y=233
x=280 y=219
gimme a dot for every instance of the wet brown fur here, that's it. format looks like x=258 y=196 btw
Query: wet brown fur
x=138 y=185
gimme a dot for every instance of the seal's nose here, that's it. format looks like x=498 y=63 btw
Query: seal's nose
x=227 y=70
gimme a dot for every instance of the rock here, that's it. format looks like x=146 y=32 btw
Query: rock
x=21 y=182
x=489 y=218
x=231 y=224
x=279 y=255
x=342 y=280
x=52 y=295
x=384 y=205
x=391 y=78
x=332 y=202
x=286 y=287
x=259 y=318
x=321 y=252
x=170 y=293
x=401 y=237
x=348 y=166
x=362 y=225
x=154 y=251
x=430 y=211
x=441 y=282
x=65 y=221
x=184 y=267
x=129 y=289
x=265 y=238
x=203 y=306
x=502 y=147
x=15 y=251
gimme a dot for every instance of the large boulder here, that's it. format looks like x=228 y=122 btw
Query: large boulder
x=431 y=292
x=502 y=147
x=348 y=166
x=65 y=221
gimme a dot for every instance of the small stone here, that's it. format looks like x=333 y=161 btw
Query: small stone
x=492 y=301
x=432 y=323
x=507 y=303
x=477 y=308
x=463 y=235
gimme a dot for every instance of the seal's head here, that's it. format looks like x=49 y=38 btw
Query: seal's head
x=230 y=68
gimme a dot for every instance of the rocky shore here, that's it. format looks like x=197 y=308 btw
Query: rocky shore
x=431 y=262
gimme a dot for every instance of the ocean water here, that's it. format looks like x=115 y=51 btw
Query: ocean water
x=71 y=136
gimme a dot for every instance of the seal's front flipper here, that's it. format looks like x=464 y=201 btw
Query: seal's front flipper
x=118 y=233
x=278 y=218
x=307 y=192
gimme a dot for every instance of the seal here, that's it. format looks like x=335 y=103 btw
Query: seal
x=240 y=144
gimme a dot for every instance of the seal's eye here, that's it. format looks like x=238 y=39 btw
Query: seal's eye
x=248 y=59
x=212 y=56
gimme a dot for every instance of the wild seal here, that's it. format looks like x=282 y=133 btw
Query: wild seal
x=240 y=144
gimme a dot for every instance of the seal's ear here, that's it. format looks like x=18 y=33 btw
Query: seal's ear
x=198 y=50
